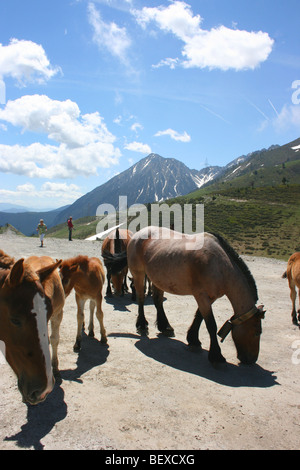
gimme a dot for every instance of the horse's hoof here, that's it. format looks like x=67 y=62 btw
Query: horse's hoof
x=103 y=340
x=195 y=348
x=142 y=331
x=56 y=374
x=216 y=359
x=76 y=348
x=91 y=334
x=169 y=332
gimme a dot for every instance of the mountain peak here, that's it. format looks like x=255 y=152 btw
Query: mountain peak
x=152 y=179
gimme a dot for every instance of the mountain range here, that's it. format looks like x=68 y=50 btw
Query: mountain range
x=154 y=179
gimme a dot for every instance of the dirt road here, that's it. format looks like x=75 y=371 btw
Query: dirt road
x=153 y=393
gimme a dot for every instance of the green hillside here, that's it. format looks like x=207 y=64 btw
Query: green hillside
x=254 y=204
x=262 y=221
x=83 y=228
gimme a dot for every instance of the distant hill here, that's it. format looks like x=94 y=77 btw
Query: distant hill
x=155 y=179
x=255 y=203
x=267 y=167
x=26 y=222
x=152 y=179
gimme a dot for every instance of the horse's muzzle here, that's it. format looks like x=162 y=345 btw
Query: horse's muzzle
x=248 y=359
x=34 y=392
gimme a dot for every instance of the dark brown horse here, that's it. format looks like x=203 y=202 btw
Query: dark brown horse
x=292 y=273
x=116 y=242
x=86 y=276
x=206 y=267
x=31 y=293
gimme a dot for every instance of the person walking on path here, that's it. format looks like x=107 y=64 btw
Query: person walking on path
x=42 y=229
x=70 y=226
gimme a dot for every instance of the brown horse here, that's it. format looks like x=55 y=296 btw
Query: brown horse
x=293 y=275
x=86 y=276
x=116 y=242
x=207 y=271
x=31 y=293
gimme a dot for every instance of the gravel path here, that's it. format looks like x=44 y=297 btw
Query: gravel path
x=153 y=393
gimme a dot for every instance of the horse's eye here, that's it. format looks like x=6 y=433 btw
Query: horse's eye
x=16 y=322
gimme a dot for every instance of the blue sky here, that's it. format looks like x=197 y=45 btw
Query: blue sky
x=87 y=88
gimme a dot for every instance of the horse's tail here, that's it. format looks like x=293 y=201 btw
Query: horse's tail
x=284 y=276
x=117 y=243
x=115 y=262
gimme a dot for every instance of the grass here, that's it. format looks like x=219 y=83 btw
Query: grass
x=83 y=228
x=259 y=221
x=262 y=221
x=8 y=227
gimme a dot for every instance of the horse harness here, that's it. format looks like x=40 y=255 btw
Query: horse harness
x=233 y=321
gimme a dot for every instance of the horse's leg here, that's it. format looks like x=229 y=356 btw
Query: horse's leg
x=55 y=321
x=141 y=322
x=91 y=324
x=161 y=319
x=133 y=291
x=99 y=315
x=108 y=289
x=204 y=305
x=80 y=320
x=299 y=305
x=125 y=286
x=293 y=299
x=193 y=331
x=149 y=287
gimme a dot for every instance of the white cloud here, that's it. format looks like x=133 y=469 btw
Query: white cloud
x=26 y=62
x=135 y=126
x=185 y=137
x=84 y=142
x=288 y=117
x=167 y=62
x=59 y=193
x=109 y=36
x=138 y=147
x=220 y=47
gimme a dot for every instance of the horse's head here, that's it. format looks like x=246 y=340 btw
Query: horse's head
x=117 y=282
x=67 y=271
x=246 y=335
x=24 y=312
x=246 y=331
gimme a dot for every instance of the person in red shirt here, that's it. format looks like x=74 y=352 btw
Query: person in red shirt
x=70 y=227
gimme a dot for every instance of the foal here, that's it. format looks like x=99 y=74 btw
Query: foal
x=86 y=276
x=293 y=275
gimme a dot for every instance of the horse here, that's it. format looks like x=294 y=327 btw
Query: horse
x=293 y=275
x=116 y=242
x=86 y=276
x=202 y=265
x=31 y=294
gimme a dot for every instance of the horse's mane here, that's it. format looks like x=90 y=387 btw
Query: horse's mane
x=239 y=262
x=80 y=260
x=6 y=261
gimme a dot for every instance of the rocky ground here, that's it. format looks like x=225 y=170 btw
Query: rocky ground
x=152 y=392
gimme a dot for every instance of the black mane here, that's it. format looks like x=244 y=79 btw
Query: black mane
x=239 y=262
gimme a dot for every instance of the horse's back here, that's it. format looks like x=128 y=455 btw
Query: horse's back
x=177 y=264
x=293 y=269
x=109 y=242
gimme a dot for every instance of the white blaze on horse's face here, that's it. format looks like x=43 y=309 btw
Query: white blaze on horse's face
x=40 y=312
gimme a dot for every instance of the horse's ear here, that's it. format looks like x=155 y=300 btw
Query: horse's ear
x=46 y=271
x=16 y=273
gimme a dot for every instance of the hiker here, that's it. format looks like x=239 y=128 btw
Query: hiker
x=42 y=229
x=70 y=227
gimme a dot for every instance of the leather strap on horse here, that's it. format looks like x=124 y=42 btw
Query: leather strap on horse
x=229 y=324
